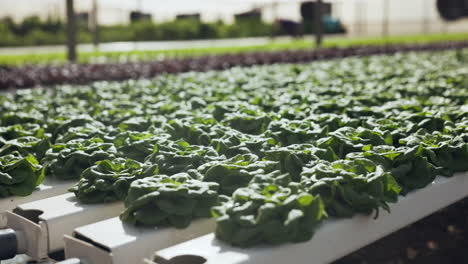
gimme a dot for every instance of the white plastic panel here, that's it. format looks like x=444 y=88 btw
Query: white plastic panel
x=333 y=240
x=111 y=241
x=36 y=238
x=47 y=221
x=48 y=188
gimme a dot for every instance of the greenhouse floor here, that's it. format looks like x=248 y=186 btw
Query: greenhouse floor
x=439 y=238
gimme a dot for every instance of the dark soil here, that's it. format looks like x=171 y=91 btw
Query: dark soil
x=441 y=238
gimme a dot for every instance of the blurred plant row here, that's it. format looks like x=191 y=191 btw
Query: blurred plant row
x=36 y=31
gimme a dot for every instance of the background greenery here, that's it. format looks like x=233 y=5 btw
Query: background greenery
x=36 y=31
x=297 y=44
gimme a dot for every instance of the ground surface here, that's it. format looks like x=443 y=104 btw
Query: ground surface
x=438 y=239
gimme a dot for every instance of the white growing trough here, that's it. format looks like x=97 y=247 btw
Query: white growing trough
x=92 y=234
x=333 y=240
x=113 y=242
x=43 y=223
x=48 y=188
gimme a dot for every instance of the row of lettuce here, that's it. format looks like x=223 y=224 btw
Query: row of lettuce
x=269 y=151
x=48 y=75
